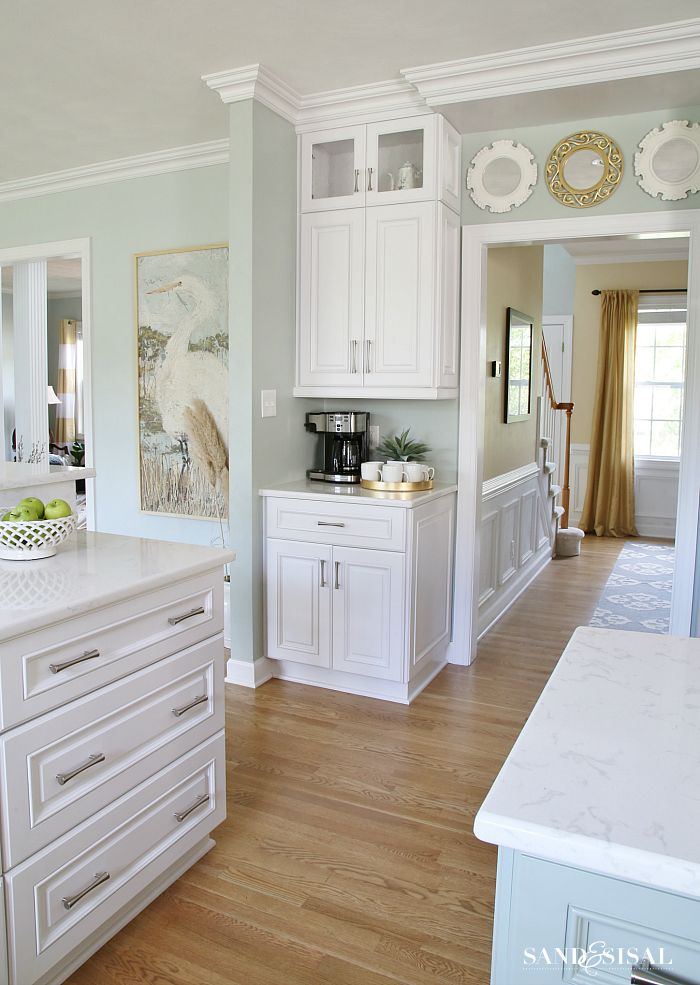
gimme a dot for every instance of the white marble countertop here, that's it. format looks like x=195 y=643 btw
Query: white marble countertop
x=605 y=774
x=309 y=489
x=92 y=570
x=18 y=475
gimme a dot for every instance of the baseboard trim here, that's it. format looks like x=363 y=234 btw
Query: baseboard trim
x=249 y=674
x=660 y=528
x=365 y=687
x=535 y=569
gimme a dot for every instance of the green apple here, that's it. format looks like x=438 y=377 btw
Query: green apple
x=56 y=509
x=23 y=514
x=35 y=503
x=7 y=518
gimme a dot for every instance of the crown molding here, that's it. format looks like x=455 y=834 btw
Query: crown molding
x=255 y=82
x=366 y=102
x=602 y=58
x=140 y=166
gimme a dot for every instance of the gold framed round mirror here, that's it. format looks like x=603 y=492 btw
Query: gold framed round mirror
x=584 y=169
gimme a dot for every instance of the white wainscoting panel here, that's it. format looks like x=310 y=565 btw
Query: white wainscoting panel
x=514 y=542
x=655 y=492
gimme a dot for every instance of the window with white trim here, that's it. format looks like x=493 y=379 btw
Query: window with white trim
x=659 y=375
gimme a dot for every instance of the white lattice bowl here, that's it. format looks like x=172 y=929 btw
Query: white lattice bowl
x=32 y=539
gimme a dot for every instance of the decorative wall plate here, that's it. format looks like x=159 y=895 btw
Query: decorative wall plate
x=502 y=176
x=668 y=161
x=584 y=169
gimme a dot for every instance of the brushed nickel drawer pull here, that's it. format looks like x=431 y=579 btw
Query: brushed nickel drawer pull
x=174 y=620
x=199 y=700
x=88 y=655
x=93 y=760
x=644 y=974
x=336 y=584
x=181 y=815
x=70 y=901
x=323 y=583
x=328 y=523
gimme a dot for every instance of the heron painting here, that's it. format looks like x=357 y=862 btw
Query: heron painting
x=182 y=323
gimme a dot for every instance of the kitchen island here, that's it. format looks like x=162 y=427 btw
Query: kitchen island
x=596 y=813
x=112 y=764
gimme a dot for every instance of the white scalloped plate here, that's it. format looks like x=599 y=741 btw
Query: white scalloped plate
x=515 y=190
x=678 y=175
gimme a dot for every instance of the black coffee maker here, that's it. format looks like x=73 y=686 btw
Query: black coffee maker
x=343 y=447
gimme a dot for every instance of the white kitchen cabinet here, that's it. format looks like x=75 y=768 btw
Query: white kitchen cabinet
x=379 y=253
x=357 y=602
x=112 y=759
x=331 y=298
x=299 y=602
x=368 y=609
x=413 y=159
x=379 y=302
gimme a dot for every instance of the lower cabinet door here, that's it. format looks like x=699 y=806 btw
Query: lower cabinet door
x=368 y=612
x=298 y=602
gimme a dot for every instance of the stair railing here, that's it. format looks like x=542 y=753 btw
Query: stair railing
x=556 y=425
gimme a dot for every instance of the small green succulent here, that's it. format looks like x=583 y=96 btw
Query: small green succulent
x=401 y=448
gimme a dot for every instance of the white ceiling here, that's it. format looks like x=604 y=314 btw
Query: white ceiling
x=87 y=82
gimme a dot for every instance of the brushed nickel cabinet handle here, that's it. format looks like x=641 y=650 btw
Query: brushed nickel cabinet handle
x=357 y=180
x=93 y=760
x=354 y=356
x=174 y=620
x=368 y=364
x=323 y=581
x=88 y=655
x=336 y=583
x=644 y=974
x=328 y=523
x=99 y=878
x=370 y=172
x=199 y=802
x=199 y=700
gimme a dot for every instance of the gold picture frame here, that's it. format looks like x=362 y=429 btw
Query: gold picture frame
x=601 y=151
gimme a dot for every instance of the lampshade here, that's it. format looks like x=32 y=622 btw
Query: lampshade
x=51 y=396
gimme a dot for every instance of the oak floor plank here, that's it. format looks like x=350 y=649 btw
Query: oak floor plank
x=347 y=857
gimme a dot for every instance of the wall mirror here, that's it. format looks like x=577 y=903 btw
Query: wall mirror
x=501 y=176
x=584 y=169
x=668 y=161
x=518 y=364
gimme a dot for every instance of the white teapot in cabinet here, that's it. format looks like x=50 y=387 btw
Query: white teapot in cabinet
x=408 y=176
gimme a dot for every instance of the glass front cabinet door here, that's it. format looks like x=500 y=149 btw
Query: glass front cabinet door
x=333 y=169
x=401 y=161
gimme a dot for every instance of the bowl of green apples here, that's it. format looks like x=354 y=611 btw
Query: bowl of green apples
x=32 y=529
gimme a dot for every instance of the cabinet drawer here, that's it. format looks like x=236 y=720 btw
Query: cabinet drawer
x=119 y=854
x=48 y=668
x=57 y=771
x=348 y=525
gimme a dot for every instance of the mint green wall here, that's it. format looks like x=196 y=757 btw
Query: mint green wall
x=559 y=282
x=186 y=208
x=262 y=207
x=627 y=131
x=7 y=369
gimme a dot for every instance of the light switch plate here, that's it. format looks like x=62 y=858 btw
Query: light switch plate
x=268 y=403
x=374 y=435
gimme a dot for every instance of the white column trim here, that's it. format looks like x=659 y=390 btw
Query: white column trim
x=31 y=361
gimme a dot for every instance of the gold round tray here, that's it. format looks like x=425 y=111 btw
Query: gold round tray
x=396 y=486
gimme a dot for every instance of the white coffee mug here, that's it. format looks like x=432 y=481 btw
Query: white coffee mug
x=415 y=471
x=393 y=472
x=371 y=471
x=428 y=472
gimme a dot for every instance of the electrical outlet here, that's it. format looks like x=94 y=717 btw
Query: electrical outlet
x=268 y=403
x=374 y=435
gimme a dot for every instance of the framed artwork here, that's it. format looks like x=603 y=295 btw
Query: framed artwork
x=183 y=381
x=518 y=389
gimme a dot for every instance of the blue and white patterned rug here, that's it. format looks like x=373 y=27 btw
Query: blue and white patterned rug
x=637 y=595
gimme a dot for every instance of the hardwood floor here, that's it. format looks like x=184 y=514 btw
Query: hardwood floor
x=348 y=857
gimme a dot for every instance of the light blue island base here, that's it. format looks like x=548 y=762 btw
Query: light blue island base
x=557 y=923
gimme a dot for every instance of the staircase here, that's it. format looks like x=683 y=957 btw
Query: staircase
x=554 y=429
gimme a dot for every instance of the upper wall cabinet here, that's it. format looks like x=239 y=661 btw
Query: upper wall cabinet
x=379 y=261
x=415 y=159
